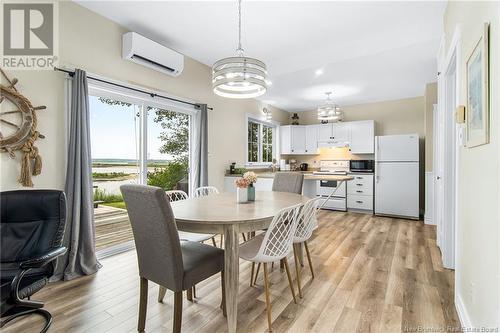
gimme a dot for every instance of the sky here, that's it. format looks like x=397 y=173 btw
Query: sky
x=114 y=132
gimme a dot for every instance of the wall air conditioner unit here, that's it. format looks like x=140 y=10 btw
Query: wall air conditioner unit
x=151 y=54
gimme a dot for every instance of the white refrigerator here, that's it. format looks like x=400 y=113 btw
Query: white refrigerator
x=397 y=175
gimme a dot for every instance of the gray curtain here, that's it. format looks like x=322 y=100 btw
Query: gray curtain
x=200 y=160
x=80 y=258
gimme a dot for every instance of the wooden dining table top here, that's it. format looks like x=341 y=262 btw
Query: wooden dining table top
x=223 y=209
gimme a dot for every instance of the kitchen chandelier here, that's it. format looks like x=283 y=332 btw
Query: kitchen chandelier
x=239 y=76
x=329 y=111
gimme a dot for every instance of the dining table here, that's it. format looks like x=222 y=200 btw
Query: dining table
x=221 y=214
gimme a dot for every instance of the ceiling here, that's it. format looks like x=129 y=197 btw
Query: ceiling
x=361 y=51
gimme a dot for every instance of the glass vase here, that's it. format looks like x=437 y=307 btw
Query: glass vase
x=251 y=193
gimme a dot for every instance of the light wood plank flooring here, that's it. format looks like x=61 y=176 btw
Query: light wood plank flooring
x=373 y=274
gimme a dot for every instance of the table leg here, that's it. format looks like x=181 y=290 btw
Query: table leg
x=231 y=274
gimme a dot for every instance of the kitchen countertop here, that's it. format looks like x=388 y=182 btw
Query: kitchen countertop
x=308 y=175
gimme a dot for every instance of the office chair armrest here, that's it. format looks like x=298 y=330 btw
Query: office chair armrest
x=43 y=259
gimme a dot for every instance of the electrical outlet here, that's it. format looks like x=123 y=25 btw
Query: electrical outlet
x=472 y=293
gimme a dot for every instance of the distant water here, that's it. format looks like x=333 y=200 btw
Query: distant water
x=129 y=167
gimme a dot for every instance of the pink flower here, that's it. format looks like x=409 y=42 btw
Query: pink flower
x=242 y=183
x=250 y=177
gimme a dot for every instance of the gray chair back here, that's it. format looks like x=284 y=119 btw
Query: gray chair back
x=155 y=234
x=288 y=182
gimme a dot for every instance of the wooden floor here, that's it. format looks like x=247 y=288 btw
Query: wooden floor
x=112 y=227
x=373 y=274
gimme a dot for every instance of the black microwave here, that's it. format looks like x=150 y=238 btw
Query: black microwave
x=361 y=165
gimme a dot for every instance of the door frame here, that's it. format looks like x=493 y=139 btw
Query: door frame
x=448 y=99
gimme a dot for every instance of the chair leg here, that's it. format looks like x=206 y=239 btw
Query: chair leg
x=223 y=303
x=143 y=305
x=297 y=263
x=309 y=259
x=177 y=312
x=189 y=294
x=251 y=274
x=194 y=291
x=256 y=273
x=221 y=240
x=268 y=301
x=161 y=294
x=287 y=268
x=282 y=267
x=213 y=242
x=244 y=238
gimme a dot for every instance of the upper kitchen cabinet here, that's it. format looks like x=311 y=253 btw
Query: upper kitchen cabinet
x=334 y=132
x=362 y=137
x=299 y=140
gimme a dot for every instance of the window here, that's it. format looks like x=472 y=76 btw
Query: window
x=261 y=147
x=134 y=140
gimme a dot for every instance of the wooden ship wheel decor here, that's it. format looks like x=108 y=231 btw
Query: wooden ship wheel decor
x=18 y=129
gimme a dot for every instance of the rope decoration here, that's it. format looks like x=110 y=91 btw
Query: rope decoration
x=25 y=133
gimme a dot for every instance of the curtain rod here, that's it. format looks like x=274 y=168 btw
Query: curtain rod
x=71 y=73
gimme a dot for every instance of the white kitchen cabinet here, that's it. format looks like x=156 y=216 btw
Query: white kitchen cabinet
x=362 y=139
x=286 y=139
x=311 y=139
x=334 y=132
x=341 y=132
x=360 y=192
x=298 y=139
x=262 y=184
x=325 y=132
x=298 y=136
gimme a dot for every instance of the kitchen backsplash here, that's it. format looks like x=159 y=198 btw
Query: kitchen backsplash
x=328 y=154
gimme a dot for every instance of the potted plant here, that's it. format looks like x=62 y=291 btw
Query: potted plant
x=241 y=190
x=251 y=178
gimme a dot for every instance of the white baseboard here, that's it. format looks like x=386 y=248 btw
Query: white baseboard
x=463 y=315
x=429 y=197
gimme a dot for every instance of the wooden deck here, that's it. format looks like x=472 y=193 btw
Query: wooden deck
x=373 y=274
x=112 y=227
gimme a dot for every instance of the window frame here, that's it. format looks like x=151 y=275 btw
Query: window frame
x=275 y=144
x=101 y=89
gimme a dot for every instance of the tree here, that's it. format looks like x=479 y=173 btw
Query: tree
x=175 y=134
x=175 y=142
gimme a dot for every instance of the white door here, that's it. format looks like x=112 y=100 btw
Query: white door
x=362 y=139
x=312 y=139
x=397 y=189
x=438 y=175
x=298 y=139
x=397 y=148
x=325 y=132
x=341 y=132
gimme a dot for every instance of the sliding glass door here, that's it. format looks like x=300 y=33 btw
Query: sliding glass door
x=134 y=141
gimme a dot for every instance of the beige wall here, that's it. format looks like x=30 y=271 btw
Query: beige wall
x=93 y=43
x=403 y=116
x=478 y=261
x=430 y=100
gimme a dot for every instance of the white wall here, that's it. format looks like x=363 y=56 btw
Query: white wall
x=478 y=265
x=93 y=43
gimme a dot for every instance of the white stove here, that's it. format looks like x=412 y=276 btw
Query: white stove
x=324 y=188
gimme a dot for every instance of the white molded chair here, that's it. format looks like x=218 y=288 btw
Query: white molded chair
x=273 y=245
x=204 y=191
x=307 y=222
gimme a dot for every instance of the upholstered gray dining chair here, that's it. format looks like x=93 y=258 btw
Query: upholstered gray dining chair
x=288 y=182
x=162 y=257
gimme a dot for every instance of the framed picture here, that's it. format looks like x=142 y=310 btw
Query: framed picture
x=477 y=93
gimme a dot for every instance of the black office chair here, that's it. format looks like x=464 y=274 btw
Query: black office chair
x=32 y=228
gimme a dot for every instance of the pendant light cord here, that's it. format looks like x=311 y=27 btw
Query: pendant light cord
x=240 y=49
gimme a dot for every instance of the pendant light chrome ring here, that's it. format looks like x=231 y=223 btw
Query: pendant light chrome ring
x=239 y=77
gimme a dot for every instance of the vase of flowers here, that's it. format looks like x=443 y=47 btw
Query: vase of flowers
x=251 y=179
x=241 y=190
